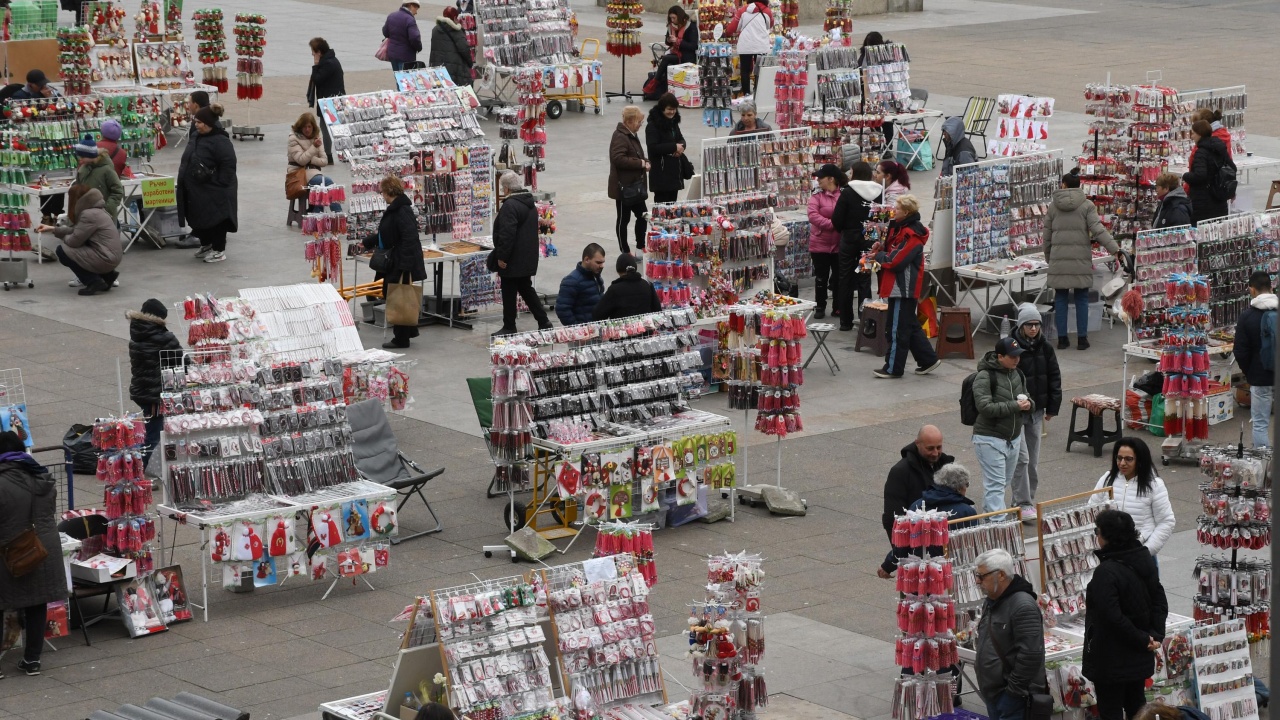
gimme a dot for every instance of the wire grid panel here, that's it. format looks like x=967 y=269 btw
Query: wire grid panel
x=12 y=391
x=55 y=461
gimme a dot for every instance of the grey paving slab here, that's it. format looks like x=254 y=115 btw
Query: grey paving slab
x=217 y=674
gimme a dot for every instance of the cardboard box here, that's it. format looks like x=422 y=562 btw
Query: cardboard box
x=1222 y=407
x=103 y=569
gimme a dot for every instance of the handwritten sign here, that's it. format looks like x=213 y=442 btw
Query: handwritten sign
x=158 y=193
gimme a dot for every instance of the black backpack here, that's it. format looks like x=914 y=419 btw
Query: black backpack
x=969 y=405
x=1223 y=183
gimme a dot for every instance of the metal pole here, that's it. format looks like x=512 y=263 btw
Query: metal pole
x=120 y=386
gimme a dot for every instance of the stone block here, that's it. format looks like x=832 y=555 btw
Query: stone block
x=782 y=501
x=529 y=545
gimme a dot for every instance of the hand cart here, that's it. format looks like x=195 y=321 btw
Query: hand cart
x=557 y=98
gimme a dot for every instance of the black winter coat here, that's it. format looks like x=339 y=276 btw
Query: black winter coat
x=661 y=135
x=1039 y=366
x=851 y=211
x=148 y=335
x=515 y=236
x=907 y=481
x=580 y=292
x=1125 y=608
x=29 y=496
x=1211 y=154
x=208 y=191
x=629 y=295
x=1248 y=346
x=398 y=230
x=1173 y=210
x=327 y=79
x=449 y=48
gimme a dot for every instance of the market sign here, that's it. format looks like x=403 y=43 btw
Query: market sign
x=158 y=193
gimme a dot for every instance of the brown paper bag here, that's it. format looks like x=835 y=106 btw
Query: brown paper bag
x=404 y=301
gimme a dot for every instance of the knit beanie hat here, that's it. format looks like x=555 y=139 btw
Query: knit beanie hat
x=208 y=117
x=1027 y=313
x=111 y=130
x=200 y=98
x=155 y=307
x=87 y=147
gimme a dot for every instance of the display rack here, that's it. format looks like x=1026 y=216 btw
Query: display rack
x=1022 y=127
x=727 y=632
x=999 y=205
x=1066 y=543
x=1224 y=671
x=925 y=649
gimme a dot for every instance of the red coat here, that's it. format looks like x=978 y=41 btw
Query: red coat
x=902 y=258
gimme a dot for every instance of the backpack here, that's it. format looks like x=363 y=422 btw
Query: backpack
x=968 y=404
x=1267 y=346
x=1223 y=184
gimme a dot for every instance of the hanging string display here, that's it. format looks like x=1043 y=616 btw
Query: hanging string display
x=618 y=538
x=1184 y=358
x=251 y=43
x=211 y=49
x=727 y=640
x=624 y=22
x=126 y=490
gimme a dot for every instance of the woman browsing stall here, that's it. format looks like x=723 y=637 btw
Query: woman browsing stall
x=666 y=145
x=1137 y=490
x=398 y=235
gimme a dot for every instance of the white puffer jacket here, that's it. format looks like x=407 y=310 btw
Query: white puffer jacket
x=753 y=31
x=1152 y=514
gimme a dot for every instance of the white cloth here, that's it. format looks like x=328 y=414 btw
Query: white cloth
x=753 y=32
x=1152 y=514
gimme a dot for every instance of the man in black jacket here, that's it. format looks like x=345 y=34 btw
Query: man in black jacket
x=515 y=248
x=1009 y=666
x=1039 y=365
x=629 y=295
x=327 y=81
x=910 y=477
x=148 y=337
x=1256 y=360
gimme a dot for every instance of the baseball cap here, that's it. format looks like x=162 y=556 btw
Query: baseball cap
x=37 y=77
x=1008 y=346
x=828 y=170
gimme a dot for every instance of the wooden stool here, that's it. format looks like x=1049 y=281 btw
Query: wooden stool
x=873 y=330
x=1275 y=190
x=1093 y=434
x=955 y=332
x=297 y=208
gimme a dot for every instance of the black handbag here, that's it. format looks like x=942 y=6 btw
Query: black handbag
x=686 y=167
x=381 y=260
x=634 y=193
x=1039 y=705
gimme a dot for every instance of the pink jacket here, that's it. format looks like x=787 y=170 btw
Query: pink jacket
x=823 y=238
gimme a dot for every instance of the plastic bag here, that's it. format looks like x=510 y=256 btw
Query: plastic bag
x=78 y=444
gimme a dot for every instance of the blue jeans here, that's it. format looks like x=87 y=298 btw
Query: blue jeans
x=1006 y=707
x=1082 y=311
x=998 y=459
x=322 y=181
x=1260 y=399
x=398 y=65
x=154 y=425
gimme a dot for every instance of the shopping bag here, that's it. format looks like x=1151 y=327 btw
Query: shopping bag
x=404 y=300
x=381 y=52
x=922 y=161
x=927 y=314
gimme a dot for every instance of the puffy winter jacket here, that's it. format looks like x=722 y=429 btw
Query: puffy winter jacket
x=401 y=29
x=852 y=210
x=1248 y=344
x=1069 y=232
x=119 y=158
x=953 y=503
x=93 y=242
x=208 y=201
x=959 y=150
x=449 y=48
x=1039 y=366
x=1152 y=514
x=995 y=392
x=1174 y=210
x=687 y=49
x=101 y=175
x=902 y=258
x=629 y=295
x=515 y=236
x=823 y=236
x=752 y=24
x=1210 y=155
x=303 y=152
x=761 y=127
x=661 y=135
x=580 y=292
x=1125 y=609
x=893 y=191
x=29 y=496
x=148 y=335
x=1010 y=645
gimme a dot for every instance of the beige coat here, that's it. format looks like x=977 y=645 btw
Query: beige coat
x=304 y=153
x=1069 y=231
x=93 y=242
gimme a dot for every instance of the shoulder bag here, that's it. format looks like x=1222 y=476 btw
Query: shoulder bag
x=381 y=259
x=404 y=302
x=295 y=183
x=381 y=52
x=24 y=553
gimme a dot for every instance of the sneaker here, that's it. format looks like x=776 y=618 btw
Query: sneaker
x=1064 y=342
x=819 y=314
x=885 y=374
x=215 y=256
x=30 y=668
x=931 y=368
x=204 y=250
x=187 y=242
x=1082 y=343
x=1028 y=514
x=75 y=283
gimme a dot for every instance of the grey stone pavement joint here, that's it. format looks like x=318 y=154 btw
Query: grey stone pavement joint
x=279 y=652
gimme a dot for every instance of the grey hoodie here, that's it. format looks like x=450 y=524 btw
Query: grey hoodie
x=959 y=150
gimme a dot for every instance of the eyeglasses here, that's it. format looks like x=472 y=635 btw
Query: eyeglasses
x=1126 y=459
x=1035 y=325
x=983 y=576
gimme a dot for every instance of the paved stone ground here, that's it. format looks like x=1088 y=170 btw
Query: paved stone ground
x=281 y=651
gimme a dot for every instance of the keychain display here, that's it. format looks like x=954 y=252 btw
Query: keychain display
x=1224 y=670
x=1227 y=252
x=251 y=42
x=624 y=20
x=1157 y=255
x=715 y=77
x=164 y=65
x=1000 y=208
x=727 y=639
x=127 y=492
x=211 y=47
x=1184 y=357
x=622 y=538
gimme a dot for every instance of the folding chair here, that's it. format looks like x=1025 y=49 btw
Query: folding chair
x=977 y=115
x=379 y=459
x=82 y=528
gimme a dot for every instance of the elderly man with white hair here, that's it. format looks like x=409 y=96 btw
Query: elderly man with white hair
x=1010 y=639
x=515 y=253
